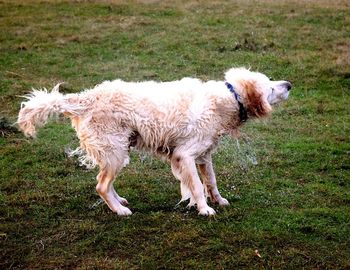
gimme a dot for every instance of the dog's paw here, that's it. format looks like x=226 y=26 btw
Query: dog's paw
x=191 y=204
x=123 y=211
x=223 y=202
x=123 y=201
x=207 y=211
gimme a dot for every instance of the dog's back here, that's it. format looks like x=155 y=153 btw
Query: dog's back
x=162 y=114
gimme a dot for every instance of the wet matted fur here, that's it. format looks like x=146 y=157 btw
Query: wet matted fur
x=181 y=121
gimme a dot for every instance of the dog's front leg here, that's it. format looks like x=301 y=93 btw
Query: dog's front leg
x=184 y=169
x=209 y=180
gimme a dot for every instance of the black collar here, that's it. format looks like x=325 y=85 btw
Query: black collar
x=243 y=114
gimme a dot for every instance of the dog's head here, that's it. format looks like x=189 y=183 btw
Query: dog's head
x=257 y=92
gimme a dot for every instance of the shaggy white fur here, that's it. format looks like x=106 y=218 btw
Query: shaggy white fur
x=181 y=121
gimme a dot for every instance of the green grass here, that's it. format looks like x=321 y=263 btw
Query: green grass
x=292 y=206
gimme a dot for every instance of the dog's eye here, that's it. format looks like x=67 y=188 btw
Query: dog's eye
x=271 y=79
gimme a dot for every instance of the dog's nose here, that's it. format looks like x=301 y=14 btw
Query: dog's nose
x=288 y=85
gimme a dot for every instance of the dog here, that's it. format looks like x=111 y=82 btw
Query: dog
x=180 y=121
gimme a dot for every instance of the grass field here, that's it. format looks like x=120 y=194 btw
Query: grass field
x=287 y=178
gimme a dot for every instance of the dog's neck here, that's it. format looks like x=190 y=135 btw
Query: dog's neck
x=243 y=114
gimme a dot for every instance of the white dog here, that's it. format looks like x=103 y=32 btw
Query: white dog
x=181 y=121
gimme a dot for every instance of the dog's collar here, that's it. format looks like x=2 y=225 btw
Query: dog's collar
x=243 y=115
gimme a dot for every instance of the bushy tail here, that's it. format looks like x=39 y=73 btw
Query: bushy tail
x=40 y=106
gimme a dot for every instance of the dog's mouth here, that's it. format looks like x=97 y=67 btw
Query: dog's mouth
x=284 y=96
x=279 y=92
x=275 y=99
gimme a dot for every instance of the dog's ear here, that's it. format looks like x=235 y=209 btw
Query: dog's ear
x=255 y=102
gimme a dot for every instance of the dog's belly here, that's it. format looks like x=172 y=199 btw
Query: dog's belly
x=165 y=149
x=137 y=142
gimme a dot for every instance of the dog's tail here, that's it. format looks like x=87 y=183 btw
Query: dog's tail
x=42 y=105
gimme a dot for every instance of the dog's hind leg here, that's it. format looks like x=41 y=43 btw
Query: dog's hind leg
x=105 y=187
x=209 y=180
x=184 y=169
